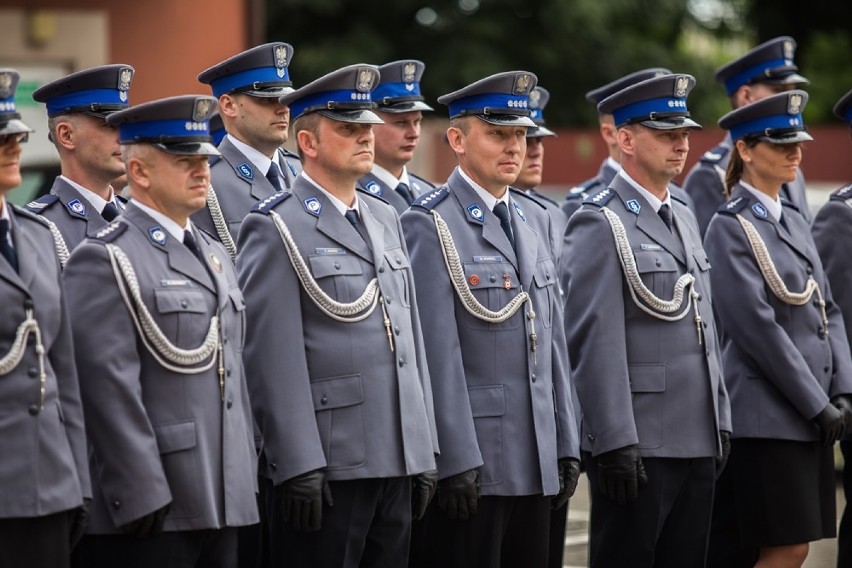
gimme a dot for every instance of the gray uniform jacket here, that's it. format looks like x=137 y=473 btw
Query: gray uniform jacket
x=43 y=467
x=705 y=185
x=641 y=380
x=239 y=185
x=373 y=185
x=781 y=365
x=498 y=408
x=158 y=436
x=330 y=394
x=72 y=214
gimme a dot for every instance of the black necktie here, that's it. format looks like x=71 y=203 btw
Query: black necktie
x=273 y=174
x=191 y=244
x=783 y=221
x=6 y=248
x=665 y=214
x=352 y=216
x=406 y=194
x=110 y=212
x=502 y=213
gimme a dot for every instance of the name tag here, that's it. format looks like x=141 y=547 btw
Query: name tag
x=175 y=283
x=488 y=259
x=325 y=250
x=645 y=246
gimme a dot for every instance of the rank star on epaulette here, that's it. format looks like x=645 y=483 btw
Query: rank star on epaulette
x=36 y=205
x=600 y=195
x=733 y=203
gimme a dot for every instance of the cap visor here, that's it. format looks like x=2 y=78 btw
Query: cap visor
x=791 y=79
x=407 y=106
x=190 y=149
x=539 y=132
x=671 y=124
x=272 y=92
x=362 y=116
x=507 y=120
x=14 y=126
x=793 y=138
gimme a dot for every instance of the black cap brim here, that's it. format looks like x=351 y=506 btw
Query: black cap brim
x=14 y=126
x=189 y=149
x=507 y=120
x=360 y=116
x=539 y=132
x=671 y=123
x=272 y=92
x=791 y=79
x=405 y=106
x=794 y=138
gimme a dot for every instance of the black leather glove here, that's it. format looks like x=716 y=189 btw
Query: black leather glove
x=620 y=473
x=721 y=462
x=303 y=498
x=79 y=520
x=569 y=473
x=149 y=525
x=458 y=495
x=832 y=424
x=422 y=489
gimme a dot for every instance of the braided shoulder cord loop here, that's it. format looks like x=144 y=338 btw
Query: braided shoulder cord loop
x=58 y=242
x=13 y=358
x=219 y=223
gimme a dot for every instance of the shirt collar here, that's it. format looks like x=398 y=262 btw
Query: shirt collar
x=388 y=178
x=772 y=205
x=93 y=198
x=338 y=204
x=652 y=199
x=610 y=161
x=170 y=226
x=488 y=199
x=260 y=161
x=4 y=210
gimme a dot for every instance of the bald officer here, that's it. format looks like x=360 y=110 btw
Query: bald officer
x=334 y=354
x=642 y=344
x=44 y=474
x=486 y=274
x=82 y=200
x=765 y=70
x=166 y=402
x=400 y=106
x=253 y=165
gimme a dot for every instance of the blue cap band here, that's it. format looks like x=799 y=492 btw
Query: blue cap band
x=154 y=129
x=760 y=125
x=394 y=90
x=8 y=105
x=60 y=104
x=347 y=96
x=748 y=75
x=645 y=108
x=536 y=114
x=246 y=78
x=518 y=103
x=847 y=114
x=218 y=135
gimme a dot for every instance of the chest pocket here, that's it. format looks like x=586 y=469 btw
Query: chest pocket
x=493 y=284
x=339 y=275
x=399 y=269
x=545 y=281
x=182 y=313
x=659 y=271
x=701 y=259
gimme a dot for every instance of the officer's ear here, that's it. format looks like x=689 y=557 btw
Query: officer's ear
x=608 y=133
x=138 y=170
x=455 y=138
x=64 y=134
x=307 y=141
x=626 y=139
x=228 y=105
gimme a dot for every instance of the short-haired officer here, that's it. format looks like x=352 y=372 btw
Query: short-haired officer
x=166 y=404
x=44 y=473
x=334 y=354
x=401 y=106
x=487 y=280
x=643 y=346
x=253 y=165
x=82 y=200
x=765 y=70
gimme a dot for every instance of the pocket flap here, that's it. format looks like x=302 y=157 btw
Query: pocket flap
x=654 y=261
x=337 y=392
x=545 y=273
x=647 y=378
x=396 y=259
x=180 y=300
x=334 y=265
x=700 y=256
x=175 y=437
x=487 y=401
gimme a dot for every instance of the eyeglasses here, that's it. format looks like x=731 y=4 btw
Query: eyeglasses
x=18 y=137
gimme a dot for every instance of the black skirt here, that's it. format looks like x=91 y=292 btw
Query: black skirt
x=784 y=491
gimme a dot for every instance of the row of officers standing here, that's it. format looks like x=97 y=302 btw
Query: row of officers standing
x=271 y=359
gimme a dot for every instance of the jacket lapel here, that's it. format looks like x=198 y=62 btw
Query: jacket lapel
x=259 y=186
x=67 y=194
x=526 y=244
x=648 y=221
x=375 y=230
x=330 y=222
x=27 y=257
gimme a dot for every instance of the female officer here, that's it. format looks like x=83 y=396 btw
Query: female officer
x=786 y=358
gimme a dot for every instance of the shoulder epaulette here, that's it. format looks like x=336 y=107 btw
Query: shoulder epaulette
x=429 y=200
x=25 y=213
x=843 y=193
x=713 y=155
x=415 y=179
x=213 y=159
x=42 y=203
x=290 y=154
x=787 y=203
x=360 y=189
x=601 y=198
x=267 y=204
x=678 y=194
x=734 y=206
x=111 y=232
x=538 y=200
x=210 y=236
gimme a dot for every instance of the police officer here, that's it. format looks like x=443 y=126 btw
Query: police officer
x=400 y=106
x=832 y=232
x=612 y=163
x=334 y=355
x=765 y=70
x=253 y=165
x=82 y=200
x=44 y=474
x=642 y=343
x=786 y=355
x=487 y=280
x=166 y=403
